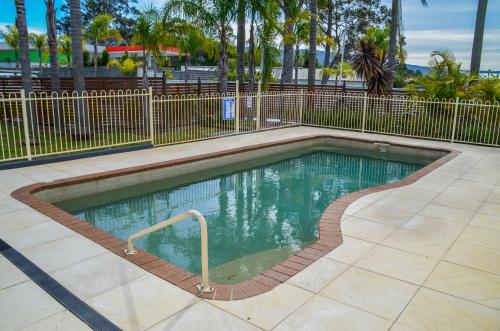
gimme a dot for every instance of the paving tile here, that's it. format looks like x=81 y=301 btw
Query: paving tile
x=98 y=274
x=458 y=201
x=37 y=234
x=21 y=218
x=366 y=230
x=10 y=274
x=268 y=309
x=481 y=237
x=415 y=193
x=395 y=263
x=384 y=215
x=427 y=244
x=490 y=208
x=430 y=185
x=474 y=177
x=491 y=222
x=356 y=206
x=474 y=186
x=471 y=284
x=324 y=314
x=400 y=203
x=10 y=205
x=448 y=229
x=26 y=303
x=494 y=198
x=431 y=310
x=350 y=250
x=318 y=275
x=142 y=303
x=474 y=256
x=377 y=294
x=61 y=321
x=203 y=316
x=447 y=213
x=63 y=252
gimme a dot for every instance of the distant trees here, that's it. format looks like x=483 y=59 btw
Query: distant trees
x=187 y=38
x=100 y=30
x=11 y=36
x=124 y=13
x=215 y=16
x=149 y=34
x=38 y=40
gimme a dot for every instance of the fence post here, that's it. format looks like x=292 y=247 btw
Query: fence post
x=25 y=124
x=237 y=111
x=365 y=99
x=455 y=115
x=301 y=106
x=151 y=117
x=257 y=117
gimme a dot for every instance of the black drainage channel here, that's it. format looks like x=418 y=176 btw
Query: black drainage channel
x=71 y=302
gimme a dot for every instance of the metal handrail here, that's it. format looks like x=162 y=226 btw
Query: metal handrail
x=204 y=286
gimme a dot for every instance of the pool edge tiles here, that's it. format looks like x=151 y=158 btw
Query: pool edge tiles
x=330 y=235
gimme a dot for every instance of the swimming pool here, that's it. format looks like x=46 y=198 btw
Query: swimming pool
x=259 y=210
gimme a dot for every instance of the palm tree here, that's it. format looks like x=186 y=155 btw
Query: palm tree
x=311 y=73
x=291 y=10
x=188 y=38
x=216 y=17
x=371 y=65
x=100 y=30
x=77 y=46
x=24 y=47
x=50 y=17
x=40 y=42
x=395 y=29
x=268 y=34
x=240 y=42
x=11 y=37
x=148 y=34
x=64 y=47
x=254 y=8
x=477 y=45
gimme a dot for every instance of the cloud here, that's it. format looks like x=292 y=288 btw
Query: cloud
x=3 y=25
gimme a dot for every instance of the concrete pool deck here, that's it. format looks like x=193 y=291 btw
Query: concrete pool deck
x=420 y=257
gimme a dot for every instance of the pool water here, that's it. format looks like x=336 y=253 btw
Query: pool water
x=256 y=217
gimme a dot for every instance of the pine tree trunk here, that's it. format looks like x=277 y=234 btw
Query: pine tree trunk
x=22 y=28
x=393 y=41
x=26 y=80
x=77 y=46
x=296 y=64
x=326 y=62
x=477 y=46
x=311 y=74
x=95 y=54
x=40 y=59
x=223 y=65
x=240 y=44
x=55 y=80
x=286 y=74
x=145 y=83
x=251 y=56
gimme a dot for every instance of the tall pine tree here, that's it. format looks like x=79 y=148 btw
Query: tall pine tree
x=123 y=11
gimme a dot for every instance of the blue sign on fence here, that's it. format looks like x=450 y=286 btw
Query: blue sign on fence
x=229 y=108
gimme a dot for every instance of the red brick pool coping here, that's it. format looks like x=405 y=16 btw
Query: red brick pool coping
x=330 y=236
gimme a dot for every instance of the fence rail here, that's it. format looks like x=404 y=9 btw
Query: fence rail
x=41 y=124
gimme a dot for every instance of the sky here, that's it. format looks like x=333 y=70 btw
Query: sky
x=444 y=24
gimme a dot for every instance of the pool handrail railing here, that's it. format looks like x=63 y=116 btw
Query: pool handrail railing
x=204 y=285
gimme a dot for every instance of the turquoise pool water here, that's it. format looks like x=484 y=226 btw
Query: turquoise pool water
x=256 y=217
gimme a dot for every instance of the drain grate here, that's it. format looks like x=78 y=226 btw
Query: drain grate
x=61 y=294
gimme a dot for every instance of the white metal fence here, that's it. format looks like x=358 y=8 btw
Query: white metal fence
x=41 y=124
